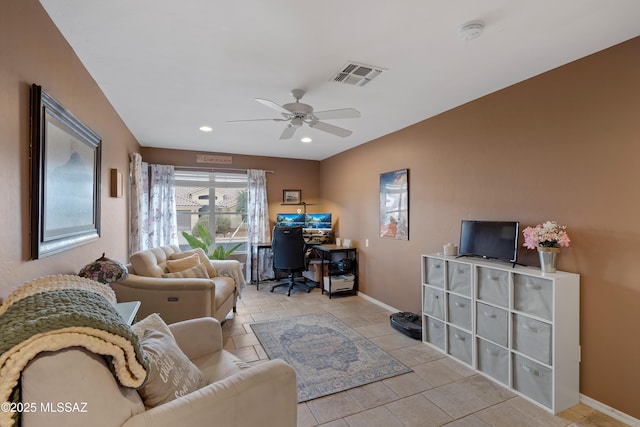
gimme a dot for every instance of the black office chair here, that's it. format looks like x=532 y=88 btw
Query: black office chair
x=288 y=249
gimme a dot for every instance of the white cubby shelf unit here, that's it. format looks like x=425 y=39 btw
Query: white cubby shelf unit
x=516 y=325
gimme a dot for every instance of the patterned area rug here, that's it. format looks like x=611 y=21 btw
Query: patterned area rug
x=327 y=355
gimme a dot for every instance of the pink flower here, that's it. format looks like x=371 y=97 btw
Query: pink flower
x=550 y=235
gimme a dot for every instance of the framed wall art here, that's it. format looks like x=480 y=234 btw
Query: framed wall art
x=65 y=178
x=292 y=197
x=394 y=204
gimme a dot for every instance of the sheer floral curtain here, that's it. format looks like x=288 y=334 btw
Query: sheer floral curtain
x=163 y=226
x=153 y=206
x=258 y=223
x=139 y=209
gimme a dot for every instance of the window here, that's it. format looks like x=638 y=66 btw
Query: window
x=217 y=200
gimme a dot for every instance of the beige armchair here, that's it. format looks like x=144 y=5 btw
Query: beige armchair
x=180 y=298
x=236 y=394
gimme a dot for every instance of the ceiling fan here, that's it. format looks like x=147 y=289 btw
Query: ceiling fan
x=298 y=113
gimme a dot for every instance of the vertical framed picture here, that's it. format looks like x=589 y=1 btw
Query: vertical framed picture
x=292 y=197
x=394 y=205
x=65 y=178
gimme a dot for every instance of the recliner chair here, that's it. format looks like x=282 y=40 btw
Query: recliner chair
x=236 y=394
x=288 y=247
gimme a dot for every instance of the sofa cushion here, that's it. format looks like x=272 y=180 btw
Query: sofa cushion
x=76 y=375
x=171 y=373
x=204 y=259
x=199 y=271
x=219 y=365
x=225 y=286
x=146 y=263
x=175 y=265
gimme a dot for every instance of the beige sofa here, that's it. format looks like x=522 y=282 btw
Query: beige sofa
x=236 y=394
x=177 y=299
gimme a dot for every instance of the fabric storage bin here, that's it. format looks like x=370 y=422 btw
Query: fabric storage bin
x=460 y=344
x=493 y=286
x=434 y=332
x=434 y=274
x=493 y=361
x=459 y=311
x=459 y=278
x=533 y=295
x=433 y=303
x=532 y=337
x=532 y=379
x=492 y=323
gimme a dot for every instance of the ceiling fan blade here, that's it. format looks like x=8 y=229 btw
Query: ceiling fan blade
x=343 y=113
x=258 y=120
x=335 y=130
x=273 y=105
x=288 y=132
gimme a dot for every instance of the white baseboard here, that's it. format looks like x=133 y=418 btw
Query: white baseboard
x=378 y=303
x=608 y=410
x=605 y=409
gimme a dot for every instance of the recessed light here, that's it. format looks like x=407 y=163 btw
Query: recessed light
x=206 y=128
x=306 y=140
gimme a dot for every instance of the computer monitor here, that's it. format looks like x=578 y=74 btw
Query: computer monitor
x=290 y=220
x=318 y=220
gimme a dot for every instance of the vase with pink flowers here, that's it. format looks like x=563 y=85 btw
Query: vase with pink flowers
x=547 y=238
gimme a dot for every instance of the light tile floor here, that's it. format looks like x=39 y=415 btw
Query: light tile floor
x=439 y=391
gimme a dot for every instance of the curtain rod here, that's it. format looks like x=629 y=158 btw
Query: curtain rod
x=214 y=169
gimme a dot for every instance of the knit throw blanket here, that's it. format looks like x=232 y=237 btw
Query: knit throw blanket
x=57 y=312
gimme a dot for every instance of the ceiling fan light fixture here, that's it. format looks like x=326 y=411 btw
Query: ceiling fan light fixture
x=298 y=113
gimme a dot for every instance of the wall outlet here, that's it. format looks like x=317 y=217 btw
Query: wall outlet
x=366 y=243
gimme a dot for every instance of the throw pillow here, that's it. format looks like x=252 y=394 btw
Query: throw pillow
x=204 y=259
x=199 y=271
x=152 y=322
x=171 y=373
x=182 y=264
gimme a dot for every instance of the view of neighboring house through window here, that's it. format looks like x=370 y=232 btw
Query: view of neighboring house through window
x=215 y=199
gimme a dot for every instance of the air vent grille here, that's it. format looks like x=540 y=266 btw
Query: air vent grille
x=362 y=71
x=356 y=74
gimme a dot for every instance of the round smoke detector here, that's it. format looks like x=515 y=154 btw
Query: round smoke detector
x=470 y=30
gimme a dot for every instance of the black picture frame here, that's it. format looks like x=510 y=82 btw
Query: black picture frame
x=291 y=197
x=394 y=205
x=65 y=178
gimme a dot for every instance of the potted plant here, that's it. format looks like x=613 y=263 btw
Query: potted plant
x=205 y=241
x=547 y=238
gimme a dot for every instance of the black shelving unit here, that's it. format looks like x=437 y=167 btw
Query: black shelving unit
x=329 y=254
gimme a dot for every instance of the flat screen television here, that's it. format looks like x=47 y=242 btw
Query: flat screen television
x=290 y=219
x=489 y=239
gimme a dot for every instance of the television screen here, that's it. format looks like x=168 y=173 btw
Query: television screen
x=489 y=239
x=290 y=219
x=318 y=220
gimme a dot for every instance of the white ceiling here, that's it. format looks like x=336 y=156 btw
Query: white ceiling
x=169 y=67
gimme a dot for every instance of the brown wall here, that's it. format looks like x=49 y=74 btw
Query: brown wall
x=33 y=51
x=562 y=146
x=289 y=174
